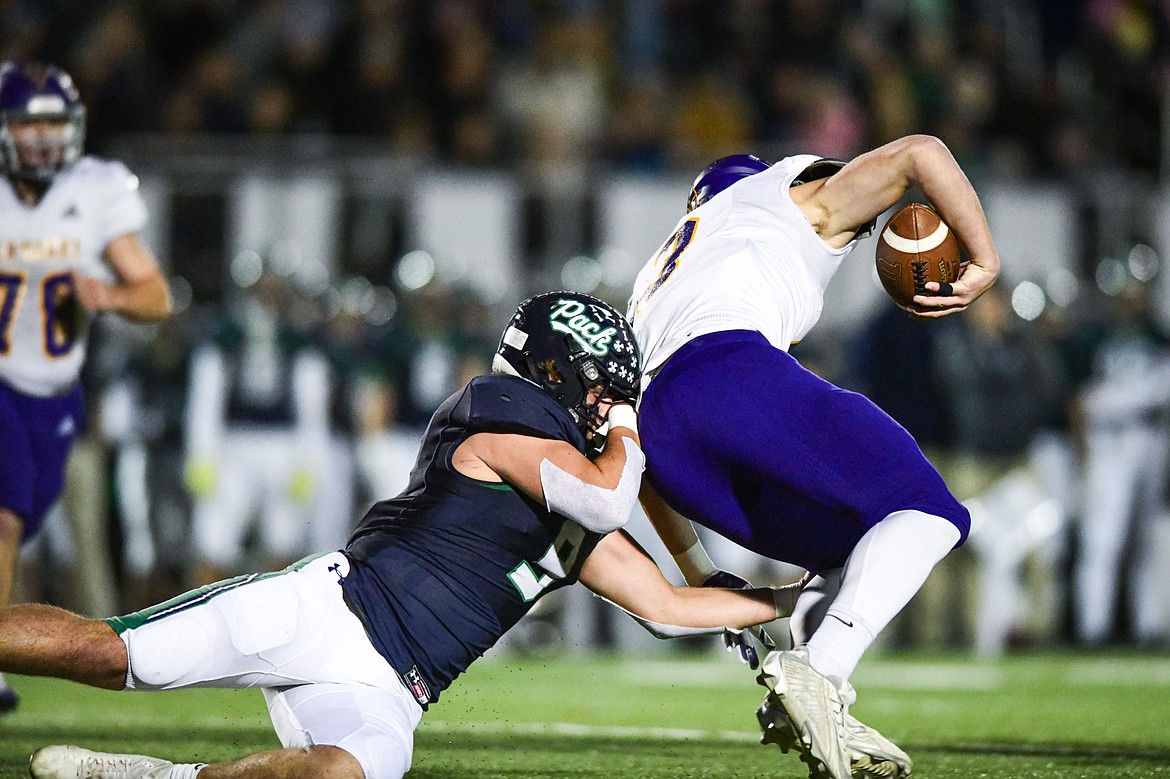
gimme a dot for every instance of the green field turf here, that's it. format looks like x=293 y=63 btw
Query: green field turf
x=1059 y=716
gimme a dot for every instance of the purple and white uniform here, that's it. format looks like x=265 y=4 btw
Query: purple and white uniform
x=739 y=436
x=42 y=332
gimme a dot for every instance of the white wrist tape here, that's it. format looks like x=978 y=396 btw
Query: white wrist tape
x=695 y=564
x=623 y=415
x=594 y=508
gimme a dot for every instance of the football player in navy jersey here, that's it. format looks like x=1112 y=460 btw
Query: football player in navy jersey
x=793 y=467
x=69 y=248
x=506 y=503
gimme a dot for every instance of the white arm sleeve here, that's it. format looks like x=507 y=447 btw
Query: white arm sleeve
x=594 y=508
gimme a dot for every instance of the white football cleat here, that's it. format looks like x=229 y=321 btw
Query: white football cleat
x=66 y=762
x=871 y=755
x=815 y=710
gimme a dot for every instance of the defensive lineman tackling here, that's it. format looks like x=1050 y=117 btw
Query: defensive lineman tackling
x=506 y=503
x=66 y=221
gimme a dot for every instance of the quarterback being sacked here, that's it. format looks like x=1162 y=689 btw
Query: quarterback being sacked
x=66 y=223
x=508 y=501
x=794 y=468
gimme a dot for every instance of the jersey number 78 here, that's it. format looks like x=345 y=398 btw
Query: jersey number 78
x=60 y=315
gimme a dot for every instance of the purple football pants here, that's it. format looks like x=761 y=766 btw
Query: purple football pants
x=741 y=438
x=35 y=437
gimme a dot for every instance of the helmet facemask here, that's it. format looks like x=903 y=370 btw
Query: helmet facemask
x=36 y=148
x=42 y=121
x=569 y=379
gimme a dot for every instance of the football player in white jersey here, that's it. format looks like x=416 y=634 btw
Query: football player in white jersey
x=69 y=248
x=742 y=439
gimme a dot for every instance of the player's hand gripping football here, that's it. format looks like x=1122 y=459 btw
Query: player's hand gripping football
x=974 y=279
x=919 y=264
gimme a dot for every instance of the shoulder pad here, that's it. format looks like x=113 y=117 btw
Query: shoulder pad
x=823 y=168
x=820 y=169
x=506 y=404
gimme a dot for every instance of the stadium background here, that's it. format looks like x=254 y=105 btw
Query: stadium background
x=416 y=167
x=566 y=126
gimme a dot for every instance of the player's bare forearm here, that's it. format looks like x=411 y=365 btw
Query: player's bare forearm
x=517 y=460
x=148 y=300
x=142 y=293
x=621 y=571
x=674 y=529
x=874 y=181
x=612 y=460
x=947 y=188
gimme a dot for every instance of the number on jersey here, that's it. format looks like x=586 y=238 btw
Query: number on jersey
x=669 y=255
x=560 y=557
x=61 y=315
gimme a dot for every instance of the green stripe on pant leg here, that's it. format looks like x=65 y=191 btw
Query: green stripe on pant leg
x=196 y=597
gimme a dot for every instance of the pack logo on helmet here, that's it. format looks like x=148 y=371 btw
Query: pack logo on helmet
x=569 y=344
x=569 y=317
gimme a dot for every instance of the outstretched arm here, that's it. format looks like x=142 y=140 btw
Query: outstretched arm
x=876 y=180
x=620 y=571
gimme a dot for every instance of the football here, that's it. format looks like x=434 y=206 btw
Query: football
x=915 y=247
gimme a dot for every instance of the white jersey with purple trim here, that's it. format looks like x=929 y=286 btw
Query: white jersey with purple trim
x=42 y=330
x=747 y=259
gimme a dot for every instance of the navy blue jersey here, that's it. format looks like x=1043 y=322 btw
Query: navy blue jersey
x=443 y=570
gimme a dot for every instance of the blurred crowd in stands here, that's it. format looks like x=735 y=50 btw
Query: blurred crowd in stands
x=1053 y=425
x=1025 y=88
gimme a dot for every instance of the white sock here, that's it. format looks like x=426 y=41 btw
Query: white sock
x=812 y=603
x=3 y=683
x=884 y=571
x=185 y=770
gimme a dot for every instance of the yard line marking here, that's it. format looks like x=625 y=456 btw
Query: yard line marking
x=82 y=718
x=1120 y=672
x=938 y=676
x=588 y=731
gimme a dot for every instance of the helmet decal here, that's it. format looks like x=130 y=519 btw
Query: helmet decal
x=569 y=344
x=569 y=317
